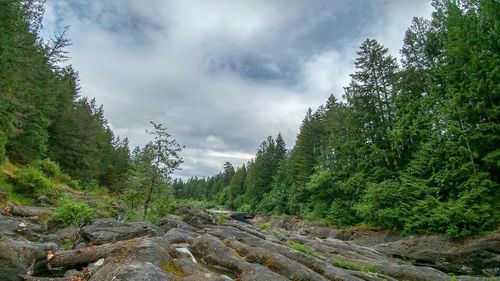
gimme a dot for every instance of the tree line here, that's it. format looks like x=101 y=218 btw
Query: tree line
x=412 y=146
x=44 y=117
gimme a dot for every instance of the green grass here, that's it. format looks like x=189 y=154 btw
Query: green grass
x=370 y=268
x=264 y=226
x=354 y=266
x=302 y=248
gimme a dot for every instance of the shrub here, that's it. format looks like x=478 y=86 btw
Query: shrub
x=71 y=212
x=264 y=226
x=221 y=219
x=245 y=208
x=48 y=167
x=32 y=182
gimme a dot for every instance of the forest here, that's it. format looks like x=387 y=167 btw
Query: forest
x=413 y=145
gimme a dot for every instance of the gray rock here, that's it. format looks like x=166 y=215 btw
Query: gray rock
x=17 y=226
x=19 y=254
x=29 y=211
x=324 y=268
x=42 y=200
x=473 y=256
x=144 y=271
x=153 y=253
x=176 y=235
x=242 y=217
x=276 y=262
x=170 y=222
x=198 y=218
x=102 y=231
x=214 y=253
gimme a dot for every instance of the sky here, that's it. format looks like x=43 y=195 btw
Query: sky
x=221 y=75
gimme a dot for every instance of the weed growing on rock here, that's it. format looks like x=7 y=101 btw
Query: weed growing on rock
x=302 y=248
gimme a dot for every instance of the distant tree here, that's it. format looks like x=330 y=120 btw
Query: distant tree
x=159 y=159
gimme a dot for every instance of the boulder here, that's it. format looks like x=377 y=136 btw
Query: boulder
x=242 y=217
x=177 y=235
x=473 y=256
x=103 y=231
x=151 y=253
x=17 y=255
x=198 y=218
x=42 y=200
x=171 y=221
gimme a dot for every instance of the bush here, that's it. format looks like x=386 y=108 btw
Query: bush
x=264 y=226
x=52 y=170
x=3 y=142
x=221 y=219
x=71 y=212
x=32 y=182
x=245 y=208
x=48 y=167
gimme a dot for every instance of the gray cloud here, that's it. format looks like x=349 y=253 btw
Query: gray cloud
x=221 y=75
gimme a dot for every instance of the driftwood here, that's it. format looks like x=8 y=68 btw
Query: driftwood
x=72 y=258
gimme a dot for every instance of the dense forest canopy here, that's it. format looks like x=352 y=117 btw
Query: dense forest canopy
x=413 y=145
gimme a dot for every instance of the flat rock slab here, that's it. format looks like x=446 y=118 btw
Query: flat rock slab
x=474 y=256
x=103 y=231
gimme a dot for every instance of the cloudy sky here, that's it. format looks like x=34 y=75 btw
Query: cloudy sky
x=220 y=75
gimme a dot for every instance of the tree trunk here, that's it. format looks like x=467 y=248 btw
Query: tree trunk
x=71 y=258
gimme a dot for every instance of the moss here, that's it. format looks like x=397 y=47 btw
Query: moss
x=173 y=268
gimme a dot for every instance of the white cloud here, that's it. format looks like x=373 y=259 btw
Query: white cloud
x=197 y=66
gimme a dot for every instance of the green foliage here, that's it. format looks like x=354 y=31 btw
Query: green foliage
x=32 y=182
x=302 y=248
x=13 y=197
x=245 y=208
x=221 y=219
x=414 y=148
x=48 y=167
x=3 y=141
x=52 y=170
x=264 y=226
x=370 y=268
x=71 y=212
x=347 y=264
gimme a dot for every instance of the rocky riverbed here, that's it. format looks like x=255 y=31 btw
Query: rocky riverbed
x=195 y=244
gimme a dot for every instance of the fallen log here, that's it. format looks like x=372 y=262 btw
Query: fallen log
x=84 y=256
